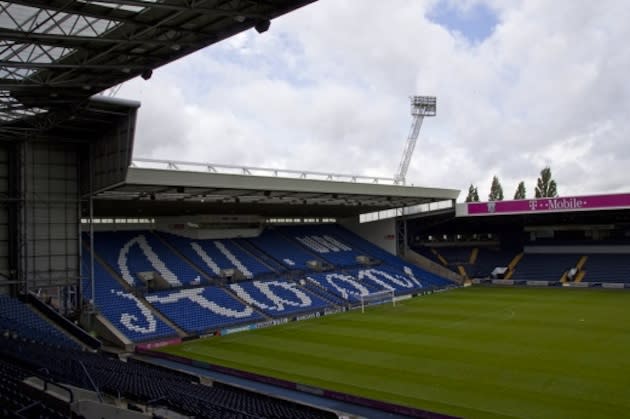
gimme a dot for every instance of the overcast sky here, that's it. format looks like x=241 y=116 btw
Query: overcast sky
x=520 y=84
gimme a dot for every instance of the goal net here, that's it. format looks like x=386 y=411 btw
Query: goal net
x=379 y=297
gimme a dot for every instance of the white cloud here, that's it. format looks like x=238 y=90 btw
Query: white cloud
x=326 y=89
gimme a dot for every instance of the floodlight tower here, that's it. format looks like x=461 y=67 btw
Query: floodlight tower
x=421 y=106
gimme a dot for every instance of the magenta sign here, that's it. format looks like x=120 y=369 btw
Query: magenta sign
x=573 y=203
x=159 y=344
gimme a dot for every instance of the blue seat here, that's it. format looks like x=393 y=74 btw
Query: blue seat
x=289 y=254
x=20 y=318
x=607 y=268
x=123 y=310
x=328 y=247
x=202 y=309
x=211 y=256
x=136 y=381
x=343 y=286
x=131 y=252
x=544 y=267
x=278 y=298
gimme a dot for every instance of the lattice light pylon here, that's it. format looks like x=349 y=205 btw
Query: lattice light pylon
x=421 y=106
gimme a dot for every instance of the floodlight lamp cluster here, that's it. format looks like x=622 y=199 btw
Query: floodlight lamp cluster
x=423 y=105
x=262 y=25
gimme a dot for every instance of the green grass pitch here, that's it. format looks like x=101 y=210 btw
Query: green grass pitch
x=474 y=352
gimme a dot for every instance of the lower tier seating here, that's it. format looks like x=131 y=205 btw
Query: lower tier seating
x=289 y=254
x=278 y=255
x=544 y=267
x=121 y=308
x=316 y=239
x=212 y=256
x=201 y=309
x=316 y=288
x=488 y=260
x=278 y=298
x=144 y=383
x=607 y=268
x=20 y=400
x=343 y=286
x=427 y=279
x=130 y=252
x=388 y=277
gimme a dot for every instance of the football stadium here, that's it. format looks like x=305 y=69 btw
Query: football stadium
x=134 y=287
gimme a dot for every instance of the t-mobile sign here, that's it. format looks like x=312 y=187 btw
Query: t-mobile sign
x=573 y=203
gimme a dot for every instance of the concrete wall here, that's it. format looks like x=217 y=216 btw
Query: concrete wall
x=382 y=233
x=51 y=214
x=105 y=330
x=109 y=155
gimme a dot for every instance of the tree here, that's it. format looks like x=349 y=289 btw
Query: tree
x=545 y=185
x=473 y=195
x=520 y=191
x=496 y=190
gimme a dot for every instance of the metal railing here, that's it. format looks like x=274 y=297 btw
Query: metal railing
x=144 y=163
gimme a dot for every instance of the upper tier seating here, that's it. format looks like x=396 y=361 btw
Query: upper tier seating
x=326 y=246
x=544 y=267
x=212 y=256
x=291 y=255
x=197 y=310
x=19 y=318
x=278 y=298
x=123 y=310
x=144 y=383
x=607 y=268
x=131 y=252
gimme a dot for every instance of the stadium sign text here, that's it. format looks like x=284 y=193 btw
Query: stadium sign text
x=271 y=323
x=577 y=203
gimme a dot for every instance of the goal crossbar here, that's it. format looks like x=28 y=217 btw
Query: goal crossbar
x=379 y=297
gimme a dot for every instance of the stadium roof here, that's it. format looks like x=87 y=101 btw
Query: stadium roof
x=55 y=55
x=155 y=192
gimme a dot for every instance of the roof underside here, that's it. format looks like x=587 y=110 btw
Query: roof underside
x=54 y=55
x=447 y=223
x=152 y=192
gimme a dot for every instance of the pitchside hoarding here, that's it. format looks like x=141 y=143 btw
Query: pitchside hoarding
x=540 y=205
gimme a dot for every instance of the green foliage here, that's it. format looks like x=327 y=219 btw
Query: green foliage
x=473 y=195
x=545 y=185
x=475 y=352
x=520 y=191
x=496 y=190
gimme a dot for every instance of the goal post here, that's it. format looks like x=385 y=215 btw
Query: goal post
x=379 y=297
